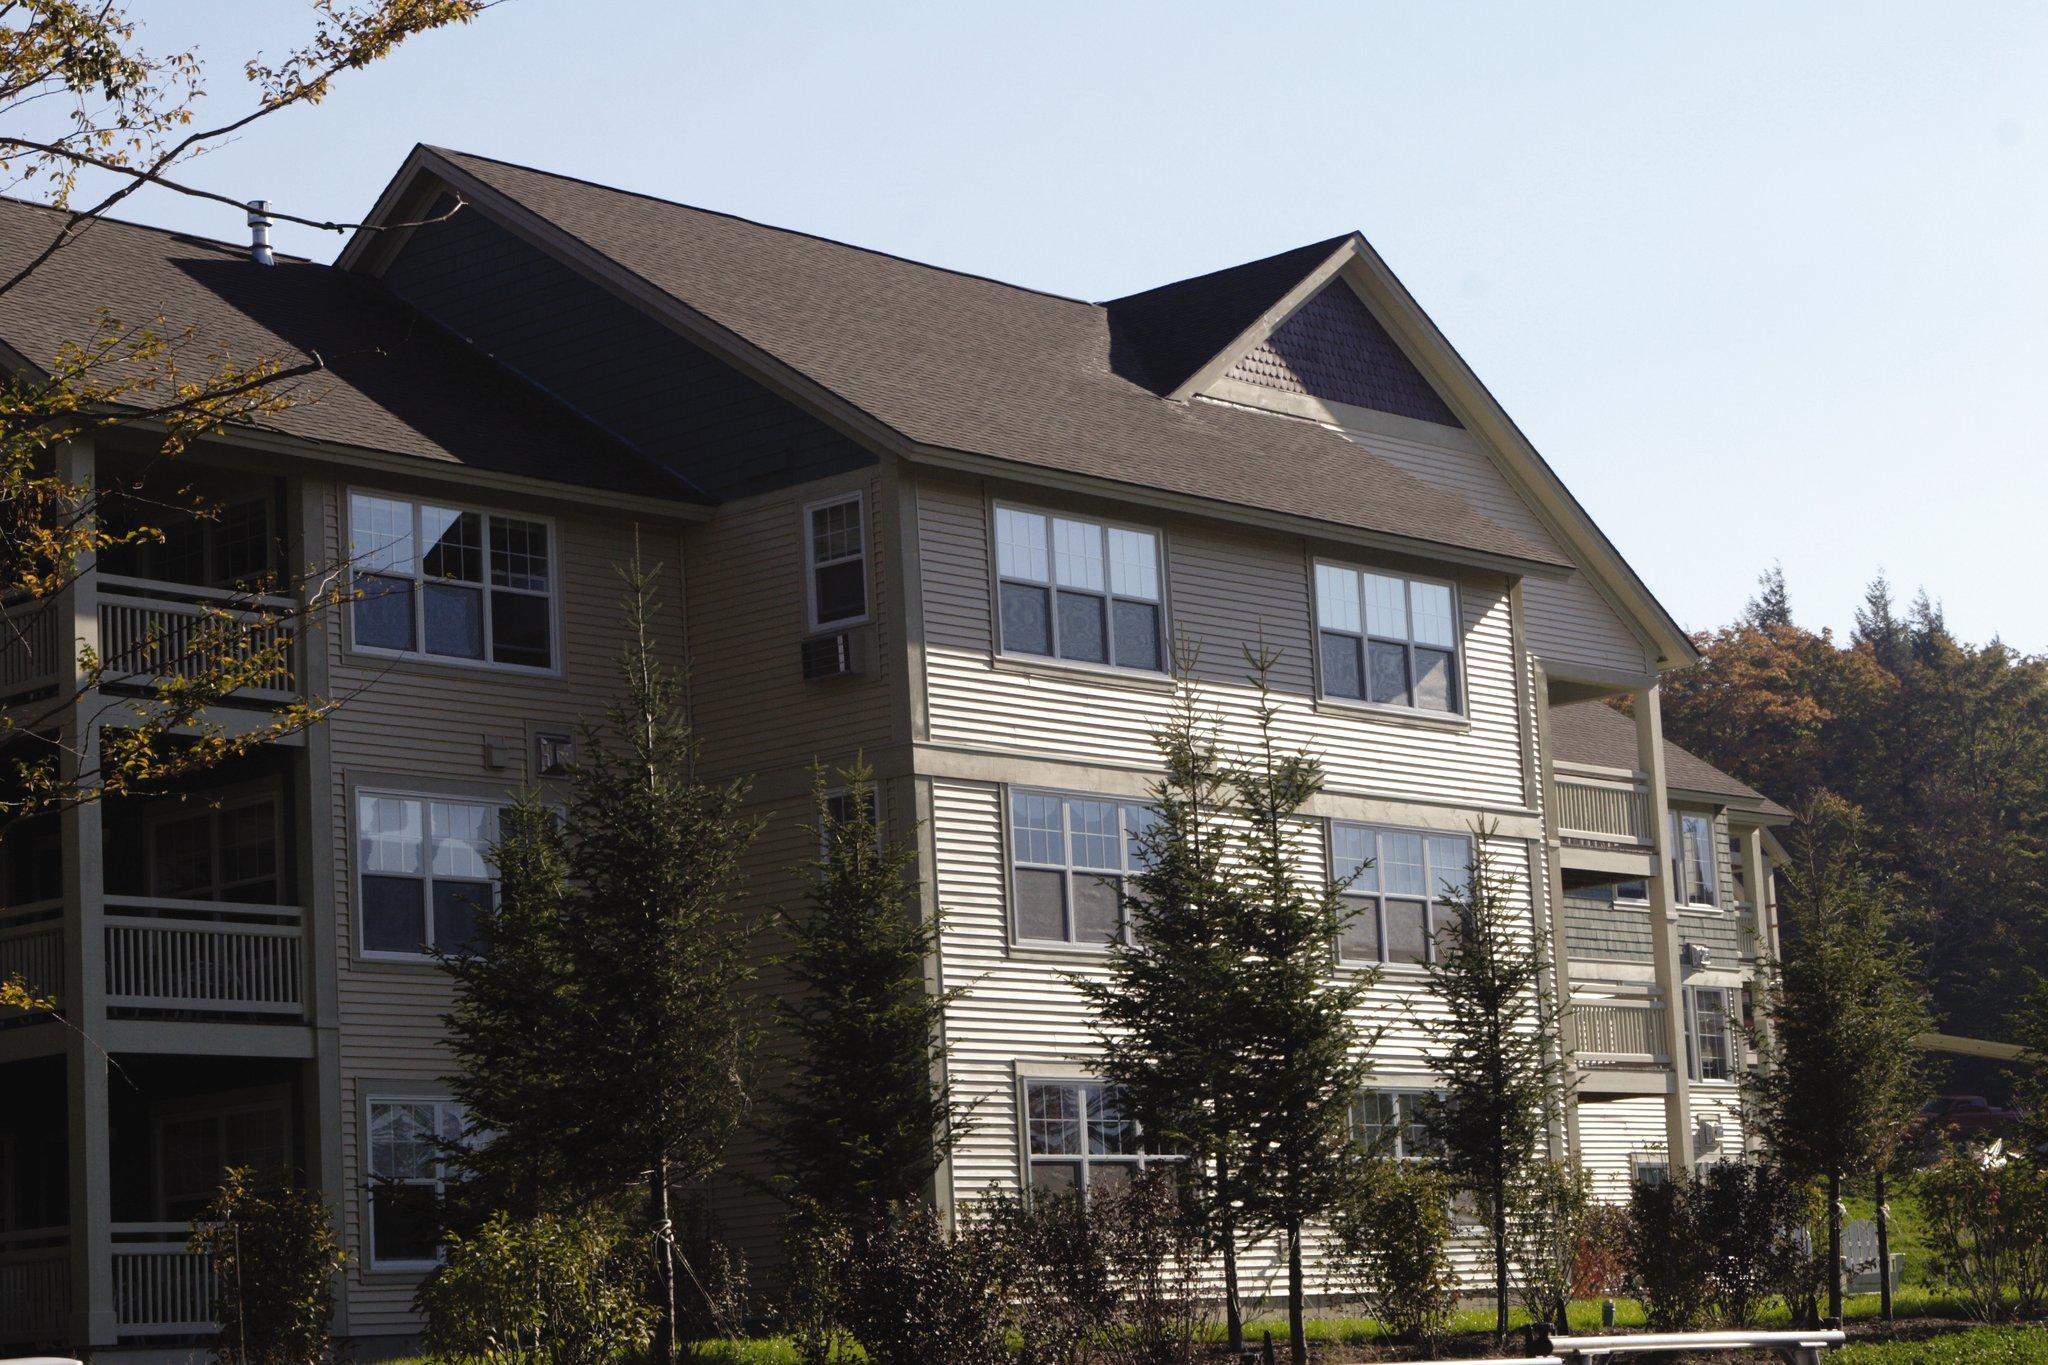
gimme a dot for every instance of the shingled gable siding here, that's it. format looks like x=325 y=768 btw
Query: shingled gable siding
x=1334 y=348
x=640 y=380
x=1226 y=592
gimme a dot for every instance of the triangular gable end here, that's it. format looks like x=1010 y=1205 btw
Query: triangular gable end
x=1333 y=348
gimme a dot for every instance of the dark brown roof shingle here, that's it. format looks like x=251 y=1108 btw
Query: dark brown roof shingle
x=1595 y=733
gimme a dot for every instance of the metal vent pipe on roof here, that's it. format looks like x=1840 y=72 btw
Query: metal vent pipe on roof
x=259 y=233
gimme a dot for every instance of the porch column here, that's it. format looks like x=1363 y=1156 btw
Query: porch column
x=1664 y=930
x=85 y=970
x=1756 y=879
x=1548 y=892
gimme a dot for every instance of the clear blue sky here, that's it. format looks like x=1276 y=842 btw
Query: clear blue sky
x=1762 y=281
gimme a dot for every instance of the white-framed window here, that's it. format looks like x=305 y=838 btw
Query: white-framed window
x=1390 y=1121
x=1400 y=880
x=1709 y=1040
x=194 y=1150
x=554 y=753
x=451 y=583
x=423 y=871
x=1649 y=1169
x=408 y=1174
x=836 y=562
x=1387 y=639
x=227 y=852
x=1069 y=858
x=1079 y=1139
x=1693 y=847
x=842 y=806
x=1081 y=590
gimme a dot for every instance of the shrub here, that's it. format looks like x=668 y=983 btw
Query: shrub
x=1751 y=1217
x=1153 y=1244
x=1670 y=1266
x=1549 y=1215
x=910 y=1294
x=1987 y=1219
x=1600 y=1254
x=553 y=1289
x=1060 y=1271
x=1393 y=1239
x=274 y=1259
x=816 y=1250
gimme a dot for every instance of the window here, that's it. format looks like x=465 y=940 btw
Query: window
x=1693 y=879
x=1387 y=640
x=842 y=808
x=232 y=546
x=1079 y=590
x=1390 y=1121
x=1708 y=1044
x=409 y=1173
x=1402 y=877
x=835 y=550
x=226 y=854
x=553 y=754
x=450 y=583
x=194 y=1150
x=425 y=871
x=1078 y=1139
x=1649 y=1171
x=1070 y=856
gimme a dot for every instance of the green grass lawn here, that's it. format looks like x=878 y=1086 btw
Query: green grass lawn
x=1978 y=1346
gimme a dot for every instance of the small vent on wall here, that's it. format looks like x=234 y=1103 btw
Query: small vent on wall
x=831 y=656
x=1696 y=955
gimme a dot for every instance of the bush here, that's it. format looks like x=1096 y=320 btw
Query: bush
x=1752 y=1219
x=274 y=1259
x=1600 y=1255
x=554 y=1289
x=1987 y=1220
x=1153 y=1244
x=910 y=1294
x=1550 y=1212
x=1060 y=1270
x=1670 y=1266
x=1393 y=1239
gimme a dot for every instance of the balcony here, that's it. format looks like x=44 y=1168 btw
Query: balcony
x=29 y=662
x=161 y=1289
x=1619 y=1044
x=1603 y=822
x=204 y=957
x=35 y=1285
x=32 y=947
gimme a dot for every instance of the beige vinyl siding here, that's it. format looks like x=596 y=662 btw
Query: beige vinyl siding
x=1226 y=592
x=1021 y=1016
x=1611 y=1131
x=1720 y=1105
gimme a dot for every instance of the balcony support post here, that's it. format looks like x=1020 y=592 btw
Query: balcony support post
x=1763 y=927
x=1664 y=929
x=1548 y=892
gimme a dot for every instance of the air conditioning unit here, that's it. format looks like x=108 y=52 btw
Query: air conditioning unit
x=1695 y=955
x=831 y=656
x=1707 y=1137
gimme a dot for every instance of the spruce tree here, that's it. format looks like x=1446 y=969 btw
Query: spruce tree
x=1842 y=1078
x=863 y=1123
x=1495 y=1047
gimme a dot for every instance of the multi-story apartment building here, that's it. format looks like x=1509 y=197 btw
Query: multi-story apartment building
x=960 y=528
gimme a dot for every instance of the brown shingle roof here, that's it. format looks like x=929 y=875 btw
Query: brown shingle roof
x=961 y=363
x=393 y=382
x=1594 y=732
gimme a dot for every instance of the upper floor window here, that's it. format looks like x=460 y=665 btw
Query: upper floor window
x=1391 y=1121
x=1709 y=1043
x=425 y=871
x=1079 y=1139
x=451 y=583
x=1388 y=640
x=408 y=1176
x=1693 y=847
x=231 y=544
x=1401 y=880
x=1070 y=856
x=225 y=854
x=1079 y=590
x=835 y=555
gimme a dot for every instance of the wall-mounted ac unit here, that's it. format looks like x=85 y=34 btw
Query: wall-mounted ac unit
x=1695 y=955
x=831 y=656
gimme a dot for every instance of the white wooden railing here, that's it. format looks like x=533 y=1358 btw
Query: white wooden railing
x=1617 y=1034
x=28 y=647
x=35 y=1285
x=32 y=947
x=160 y=1287
x=1603 y=809
x=209 y=956
x=151 y=631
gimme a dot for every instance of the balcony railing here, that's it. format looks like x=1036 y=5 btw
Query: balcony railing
x=28 y=648
x=1617 y=1034
x=153 y=631
x=161 y=1288
x=204 y=956
x=32 y=947
x=1606 y=810
x=35 y=1285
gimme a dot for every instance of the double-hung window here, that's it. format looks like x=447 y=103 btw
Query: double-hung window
x=1390 y=1121
x=408 y=1169
x=1399 y=889
x=1081 y=590
x=1386 y=639
x=1693 y=879
x=425 y=870
x=835 y=555
x=1079 y=1139
x=451 y=583
x=1070 y=856
x=1709 y=1041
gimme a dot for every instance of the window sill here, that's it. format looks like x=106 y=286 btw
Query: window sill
x=1071 y=671
x=417 y=961
x=1389 y=971
x=1051 y=950
x=1449 y=722
x=415 y=661
x=1703 y=911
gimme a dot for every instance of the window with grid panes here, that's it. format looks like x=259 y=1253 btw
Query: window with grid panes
x=835 y=549
x=1069 y=859
x=1692 y=853
x=1078 y=1138
x=1710 y=1045
x=1386 y=639
x=1071 y=588
x=425 y=870
x=1390 y=1121
x=225 y=854
x=408 y=1177
x=451 y=583
x=1399 y=881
